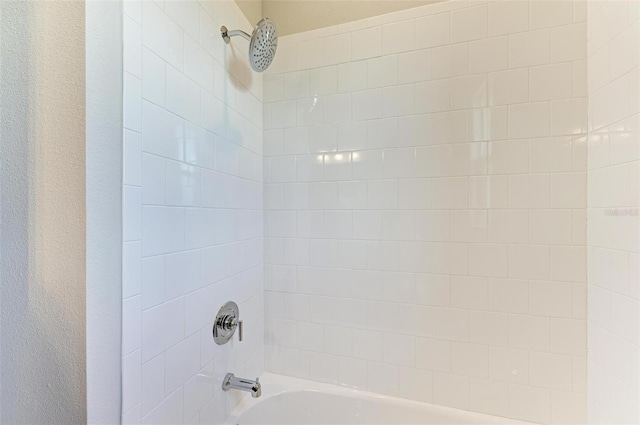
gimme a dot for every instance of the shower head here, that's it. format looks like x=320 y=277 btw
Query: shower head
x=263 y=43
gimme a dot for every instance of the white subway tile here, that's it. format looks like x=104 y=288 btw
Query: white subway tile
x=529 y=48
x=273 y=88
x=569 y=42
x=382 y=71
x=488 y=55
x=529 y=261
x=414 y=384
x=151 y=384
x=336 y=49
x=552 y=299
x=529 y=403
x=433 y=354
x=469 y=292
x=367 y=104
x=489 y=397
x=569 y=116
x=432 y=96
x=529 y=332
x=432 y=161
x=382 y=132
x=508 y=17
x=488 y=191
x=550 y=227
x=451 y=61
x=323 y=81
x=568 y=190
x=451 y=390
x=415 y=66
x=162 y=327
x=366 y=43
x=351 y=76
x=488 y=328
x=451 y=324
x=508 y=295
x=529 y=120
x=398 y=37
x=488 y=260
x=469 y=159
x=295 y=85
x=307 y=54
x=547 y=13
x=550 y=82
x=181 y=363
x=508 y=365
x=182 y=96
x=161 y=35
x=432 y=31
x=508 y=87
x=398 y=100
x=568 y=263
x=132 y=103
x=568 y=407
x=469 y=24
x=385 y=379
x=508 y=226
x=568 y=337
x=163 y=132
x=352 y=372
x=549 y=370
x=399 y=163
x=469 y=92
x=529 y=191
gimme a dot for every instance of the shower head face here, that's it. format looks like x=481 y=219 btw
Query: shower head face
x=263 y=46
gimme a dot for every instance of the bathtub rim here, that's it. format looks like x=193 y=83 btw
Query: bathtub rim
x=275 y=384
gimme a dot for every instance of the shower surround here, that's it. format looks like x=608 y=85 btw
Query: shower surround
x=425 y=200
x=192 y=210
x=425 y=207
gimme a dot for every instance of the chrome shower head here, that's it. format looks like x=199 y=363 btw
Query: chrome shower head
x=263 y=43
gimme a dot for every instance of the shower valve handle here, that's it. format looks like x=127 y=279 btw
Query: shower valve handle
x=226 y=323
x=233 y=324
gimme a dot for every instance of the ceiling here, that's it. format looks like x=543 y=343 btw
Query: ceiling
x=293 y=16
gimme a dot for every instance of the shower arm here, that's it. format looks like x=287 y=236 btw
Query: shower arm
x=226 y=34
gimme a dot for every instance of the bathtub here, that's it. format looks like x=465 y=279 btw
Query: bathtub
x=291 y=401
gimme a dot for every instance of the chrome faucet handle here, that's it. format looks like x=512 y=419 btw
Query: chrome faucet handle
x=226 y=323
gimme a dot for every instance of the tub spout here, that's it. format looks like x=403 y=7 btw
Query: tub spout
x=230 y=381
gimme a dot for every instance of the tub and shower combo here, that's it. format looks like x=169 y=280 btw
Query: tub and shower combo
x=396 y=204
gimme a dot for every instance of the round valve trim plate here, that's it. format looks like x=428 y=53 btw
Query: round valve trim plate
x=226 y=323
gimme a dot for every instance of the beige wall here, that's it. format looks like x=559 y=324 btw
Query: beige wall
x=293 y=16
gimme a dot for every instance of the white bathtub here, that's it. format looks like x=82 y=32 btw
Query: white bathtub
x=291 y=401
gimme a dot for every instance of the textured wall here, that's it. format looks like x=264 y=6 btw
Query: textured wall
x=613 y=213
x=192 y=210
x=43 y=213
x=425 y=195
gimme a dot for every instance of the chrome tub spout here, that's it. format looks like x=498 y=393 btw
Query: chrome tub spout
x=230 y=381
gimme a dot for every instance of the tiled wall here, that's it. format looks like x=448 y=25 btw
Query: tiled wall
x=192 y=210
x=614 y=201
x=425 y=195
